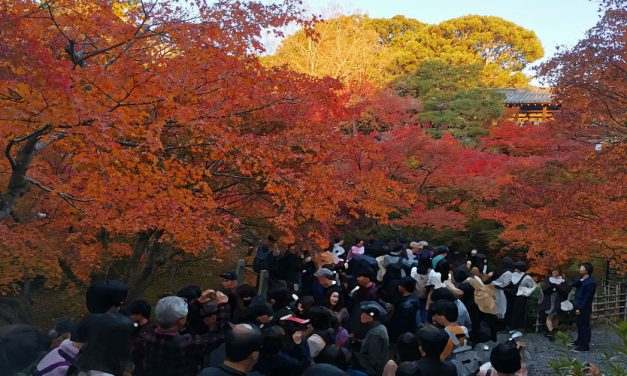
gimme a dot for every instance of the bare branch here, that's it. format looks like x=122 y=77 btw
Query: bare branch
x=68 y=198
x=55 y=137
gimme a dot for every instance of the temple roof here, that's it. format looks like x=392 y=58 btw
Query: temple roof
x=526 y=95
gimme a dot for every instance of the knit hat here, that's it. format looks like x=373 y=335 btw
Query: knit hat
x=325 y=273
x=436 y=260
x=169 y=310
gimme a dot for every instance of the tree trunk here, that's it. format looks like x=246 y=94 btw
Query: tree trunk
x=143 y=263
x=17 y=309
x=18 y=183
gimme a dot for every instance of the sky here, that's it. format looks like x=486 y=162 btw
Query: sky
x=555 y=22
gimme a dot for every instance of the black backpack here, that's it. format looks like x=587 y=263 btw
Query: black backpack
x=512 y=289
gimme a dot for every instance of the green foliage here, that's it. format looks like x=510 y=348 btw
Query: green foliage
x=453 y=98
x=565 y=365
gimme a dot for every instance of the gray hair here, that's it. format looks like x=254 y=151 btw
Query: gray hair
x=169 y=310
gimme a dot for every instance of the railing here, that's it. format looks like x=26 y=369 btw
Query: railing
x=262 y=278
x=611 y=304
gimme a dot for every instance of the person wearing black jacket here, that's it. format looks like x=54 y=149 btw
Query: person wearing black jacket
x=432 y=342
x=555 y=290
x=586 y=289
x=405 y=309
x=291 y=268
x=281 y=356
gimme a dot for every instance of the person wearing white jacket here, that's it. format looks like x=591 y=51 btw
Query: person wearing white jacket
x=338 y=250
x=500 y=283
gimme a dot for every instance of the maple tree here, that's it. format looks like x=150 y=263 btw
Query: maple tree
x=573 y=203
x=149 y=135
x=137 y=134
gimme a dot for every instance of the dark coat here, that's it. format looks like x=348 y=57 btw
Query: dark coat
x=374 y=350
x=549 y=288
x=584 y=295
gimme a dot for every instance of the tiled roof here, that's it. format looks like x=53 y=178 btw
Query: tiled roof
x=520 y=95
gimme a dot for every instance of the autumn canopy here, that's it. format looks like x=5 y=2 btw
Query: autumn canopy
x=138 y=132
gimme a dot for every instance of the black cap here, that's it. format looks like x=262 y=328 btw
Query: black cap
x=372 y=308
x=229 y=275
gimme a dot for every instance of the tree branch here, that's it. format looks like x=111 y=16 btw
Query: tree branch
x=69 y=273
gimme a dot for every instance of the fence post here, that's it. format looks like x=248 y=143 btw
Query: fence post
x=264 y=277
x=239 y=271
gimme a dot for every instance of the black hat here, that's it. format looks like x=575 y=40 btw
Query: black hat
x=441 y=249
x=229 y=275
x=372 y=308
x=505 y=358
x=208 y=309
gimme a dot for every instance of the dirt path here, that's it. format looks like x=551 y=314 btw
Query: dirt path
x=542 y=350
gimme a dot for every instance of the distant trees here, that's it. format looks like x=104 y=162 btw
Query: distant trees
x=357 y=48
x=453 y=98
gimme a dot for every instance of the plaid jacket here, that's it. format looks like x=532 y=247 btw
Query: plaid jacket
x=168 y=353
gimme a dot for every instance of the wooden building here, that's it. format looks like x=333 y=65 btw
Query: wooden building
x=529 y=105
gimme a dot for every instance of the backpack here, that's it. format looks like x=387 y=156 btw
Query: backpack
x=512 y=288
x=67 y=362
x=421 y=285
x=264 y=259
x=466 y=360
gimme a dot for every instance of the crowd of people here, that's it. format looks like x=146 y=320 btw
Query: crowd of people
x=397 y=308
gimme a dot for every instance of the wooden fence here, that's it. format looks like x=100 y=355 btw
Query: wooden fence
x=609 y=305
